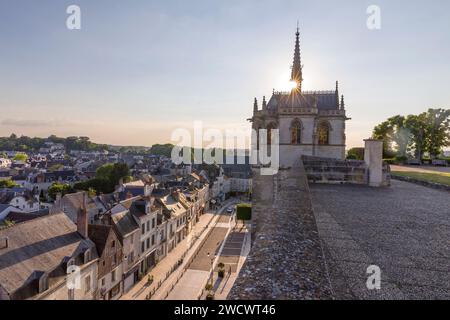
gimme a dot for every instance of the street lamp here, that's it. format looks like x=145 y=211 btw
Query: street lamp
x=212 y=270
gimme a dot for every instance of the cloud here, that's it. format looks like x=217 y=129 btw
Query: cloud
x=28 y=123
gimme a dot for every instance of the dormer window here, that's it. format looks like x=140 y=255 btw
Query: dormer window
x=87 y=256
x=71 y=262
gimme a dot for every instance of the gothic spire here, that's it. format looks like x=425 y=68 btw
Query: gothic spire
x=264 y=103
x=337 y=94
x=342 y=102
x=296 y=74
x=255 y=106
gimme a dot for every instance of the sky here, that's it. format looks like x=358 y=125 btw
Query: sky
x=139 y=69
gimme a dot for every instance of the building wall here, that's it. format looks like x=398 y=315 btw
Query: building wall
x=107 y=283
x=83 y=293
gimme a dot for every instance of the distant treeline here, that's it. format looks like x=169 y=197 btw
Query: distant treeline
x=27 y=144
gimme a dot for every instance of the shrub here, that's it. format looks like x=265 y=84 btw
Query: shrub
x=208 y=287
x=244 y=212
x=356 y=154
x=390 y=161
x=401 y=159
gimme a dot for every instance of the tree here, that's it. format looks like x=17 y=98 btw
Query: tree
x=383 y=131
x=7 y=183
x=417 y=126
x=400 y=134
x=438 y=126
x=107 y=177
x=356 y=154
x=20 y=157
x=7 y=223
x=60 y=188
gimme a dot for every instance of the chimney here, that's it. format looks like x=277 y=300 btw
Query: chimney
x=82 y=219
x=4 y=243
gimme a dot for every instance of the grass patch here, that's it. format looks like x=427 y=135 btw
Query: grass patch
x=438 y=177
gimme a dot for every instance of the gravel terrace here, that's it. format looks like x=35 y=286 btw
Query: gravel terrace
x=404 y=229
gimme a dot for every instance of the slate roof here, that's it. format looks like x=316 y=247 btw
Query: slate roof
x=124 y=223
x=19 y=217
x=326 y=100
x=99 y=234
x=37 y=246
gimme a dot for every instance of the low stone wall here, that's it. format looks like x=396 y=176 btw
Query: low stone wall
x=326 y=170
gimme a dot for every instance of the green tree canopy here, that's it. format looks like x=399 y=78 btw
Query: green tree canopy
x=56 y=188
x=8 y=183
x=107 y=177
x=20 y=157
x=426 y=132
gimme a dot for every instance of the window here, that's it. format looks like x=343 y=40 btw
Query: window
x=87 y=256
x=323 y=132
x=142 y=246
x=103 y=282
x=270 y=127
x=131 y=257
x=153 y=223
x=148 y=225
x=153 y=239
x=114 y=260
x=296 y=130
x=113 y=244
x=148 y=243
x=87 y=284
x=143 y=228
x=113 y=275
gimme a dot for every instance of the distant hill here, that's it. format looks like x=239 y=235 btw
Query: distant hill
x=24 y=143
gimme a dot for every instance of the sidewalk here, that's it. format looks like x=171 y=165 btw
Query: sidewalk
x=162 y=282
x=159 y=272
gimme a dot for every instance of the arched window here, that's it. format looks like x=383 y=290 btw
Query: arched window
x=296 y=132
x=270 y=127
x=323 y=132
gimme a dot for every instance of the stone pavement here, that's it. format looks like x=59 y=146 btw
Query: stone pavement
x=404 y=229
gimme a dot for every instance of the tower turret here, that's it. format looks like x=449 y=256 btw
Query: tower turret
x=337 y=94
x=296 y=74
x=255 y=106
x=264 y=103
